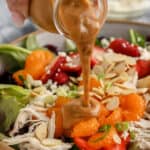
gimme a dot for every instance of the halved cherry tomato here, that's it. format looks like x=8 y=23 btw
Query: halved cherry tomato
x=55 y=68
x=124 y=47
x=73 y=65
x=82 y=144
x=143 y=68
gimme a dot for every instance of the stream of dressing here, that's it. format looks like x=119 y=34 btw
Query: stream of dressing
x=82 y=21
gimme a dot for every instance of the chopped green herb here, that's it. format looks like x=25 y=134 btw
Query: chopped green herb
x=104 y=128
x=122 y=126
x=98 y=42
x=71 y=51
x=132 y=135
x=73 y=94
x=108 y=85
x=74 y=87
x=101 y=76
x=21 y=78
x=136 y=38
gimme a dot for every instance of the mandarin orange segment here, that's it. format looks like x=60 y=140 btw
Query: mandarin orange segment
x=102 y=140
x=38 y=57
x=37 y=61
x=58 y=120
x=94 y=83
x=102 y=115
x=59 y=123
x=60 y=101
x=114 y=117
x=19 y=76
x=133 y=107
x=49 y=56
x=85 y=128
x=36 y=71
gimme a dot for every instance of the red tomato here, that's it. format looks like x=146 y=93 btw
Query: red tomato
x=82 y=144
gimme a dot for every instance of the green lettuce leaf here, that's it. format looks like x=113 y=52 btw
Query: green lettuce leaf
x=30 y=42
x=14 y=54
x=12 y=99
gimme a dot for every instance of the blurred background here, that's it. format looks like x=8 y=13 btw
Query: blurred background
x=131 y=10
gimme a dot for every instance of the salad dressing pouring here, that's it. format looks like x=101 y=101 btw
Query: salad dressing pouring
x=81 y=21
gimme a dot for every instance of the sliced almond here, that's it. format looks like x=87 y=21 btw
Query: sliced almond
x=113 y=103
x=98 y=69
x=131 y=71
x=124 y=86
x=95 y=95
x=41 y=131
x=113 y=57
x=99 y=91
x=110 y=75
x=122 y=78
x=115 y=90
x=110 y=68
x=120 y=67
x=117 y=139
x=102 y=83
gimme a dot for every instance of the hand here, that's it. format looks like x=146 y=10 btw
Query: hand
x=19 y=10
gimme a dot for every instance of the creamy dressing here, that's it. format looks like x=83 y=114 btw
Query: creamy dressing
x=82 y=20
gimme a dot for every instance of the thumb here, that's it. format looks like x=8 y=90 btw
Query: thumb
x=17 y=18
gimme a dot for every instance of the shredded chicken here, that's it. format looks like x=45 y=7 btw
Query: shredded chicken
x=28 y=142
x=142 y=131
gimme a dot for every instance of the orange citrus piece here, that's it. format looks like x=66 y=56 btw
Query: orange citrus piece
x=19 y=76
x=114 y=117
x=103 y=139
x=133 y=107
x=85 y=128
x=60 y=101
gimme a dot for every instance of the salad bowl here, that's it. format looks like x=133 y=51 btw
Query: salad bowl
x=40 y=76
x=113 y=28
